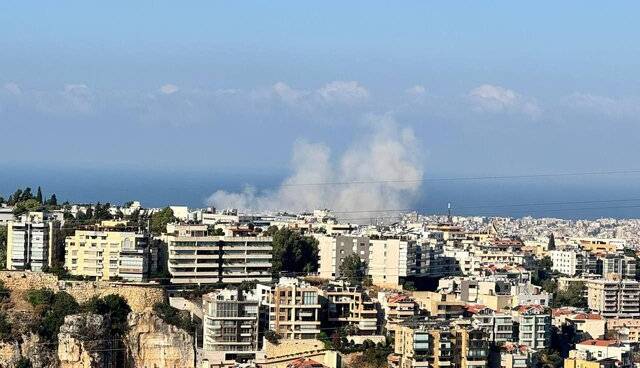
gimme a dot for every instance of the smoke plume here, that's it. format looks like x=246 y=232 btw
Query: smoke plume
x=380 y=170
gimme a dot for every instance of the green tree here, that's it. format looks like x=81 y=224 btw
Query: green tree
x=25 y=206
x=39 y=195
x=552 y=242
x=175 y=317
x=23 y=363
x=113 y=306
x=572 y=296
x=160 y=219
x=352 y=269
x=293 y=252
x=53 y=200
x=51 y=308
x=541 y=270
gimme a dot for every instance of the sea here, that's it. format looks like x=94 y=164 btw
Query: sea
x=572 y=197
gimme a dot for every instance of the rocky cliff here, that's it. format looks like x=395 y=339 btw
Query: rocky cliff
x=153 y=343
x=83 y=342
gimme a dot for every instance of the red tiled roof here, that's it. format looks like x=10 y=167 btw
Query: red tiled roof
x=594 y=342
x=587 y=316
x=304 y=363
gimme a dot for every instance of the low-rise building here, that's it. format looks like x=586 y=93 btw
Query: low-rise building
x=441 y=305
x=596 y=350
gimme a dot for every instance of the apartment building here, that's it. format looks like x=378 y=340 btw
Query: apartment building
x=231 y=326
x=294 y=308
x=619 y=264
x=391 y=261
x=598 y=350
x=517 y=356
x=421 y=342
x=332 y=250
x=195 y=257
x=352 y=307
x=626 y=329
x=614 y=297
x=497 y=326
x=441 y=305
x=572 y=262
x=534 y=326
x=107 y=255
x=31 y=242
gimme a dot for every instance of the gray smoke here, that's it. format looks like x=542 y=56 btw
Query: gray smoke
x=387 y=155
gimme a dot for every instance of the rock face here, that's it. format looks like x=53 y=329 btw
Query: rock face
x=153 y=343
x=83 y=342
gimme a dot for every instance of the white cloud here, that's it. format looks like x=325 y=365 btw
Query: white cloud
x=346 y=92
x=496 y=99
x=614 y=107
x=13 y=88
x=416 y=91
x=388 y=156
x=288 y=94
x=169 y=89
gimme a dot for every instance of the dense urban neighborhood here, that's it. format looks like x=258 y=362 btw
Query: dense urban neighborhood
x=102 y=285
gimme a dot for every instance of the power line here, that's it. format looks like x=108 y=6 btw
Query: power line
x=470 y=178
x=530 y=204
x=488 y=214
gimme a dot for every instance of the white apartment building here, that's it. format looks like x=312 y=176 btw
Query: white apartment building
x=105 y=255
x=294 y=308
x=198 y=258
x=231 y=328
x=614 y=297
x=569 y=262
x=498 y=326
x=535 y=326
x=30 y=242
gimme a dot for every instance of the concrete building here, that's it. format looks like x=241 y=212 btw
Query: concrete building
x=614 y=297
x=440 y=305
x=198 y=258
x=497 y=326
x=6 y=214
x=626 y=329
x=397 y=308
x=332 y=250
x=597 y=350
x=517 y=356
x=391 y=261
x=231 y=327
x=534 y=326
x=571 y=262
x=421 y=342
x=31 y=242
x=294 y=308
x=107 y=255
x=619 y=264
x=350 y=306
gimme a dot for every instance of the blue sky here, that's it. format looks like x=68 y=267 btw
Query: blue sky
x=486 y=87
